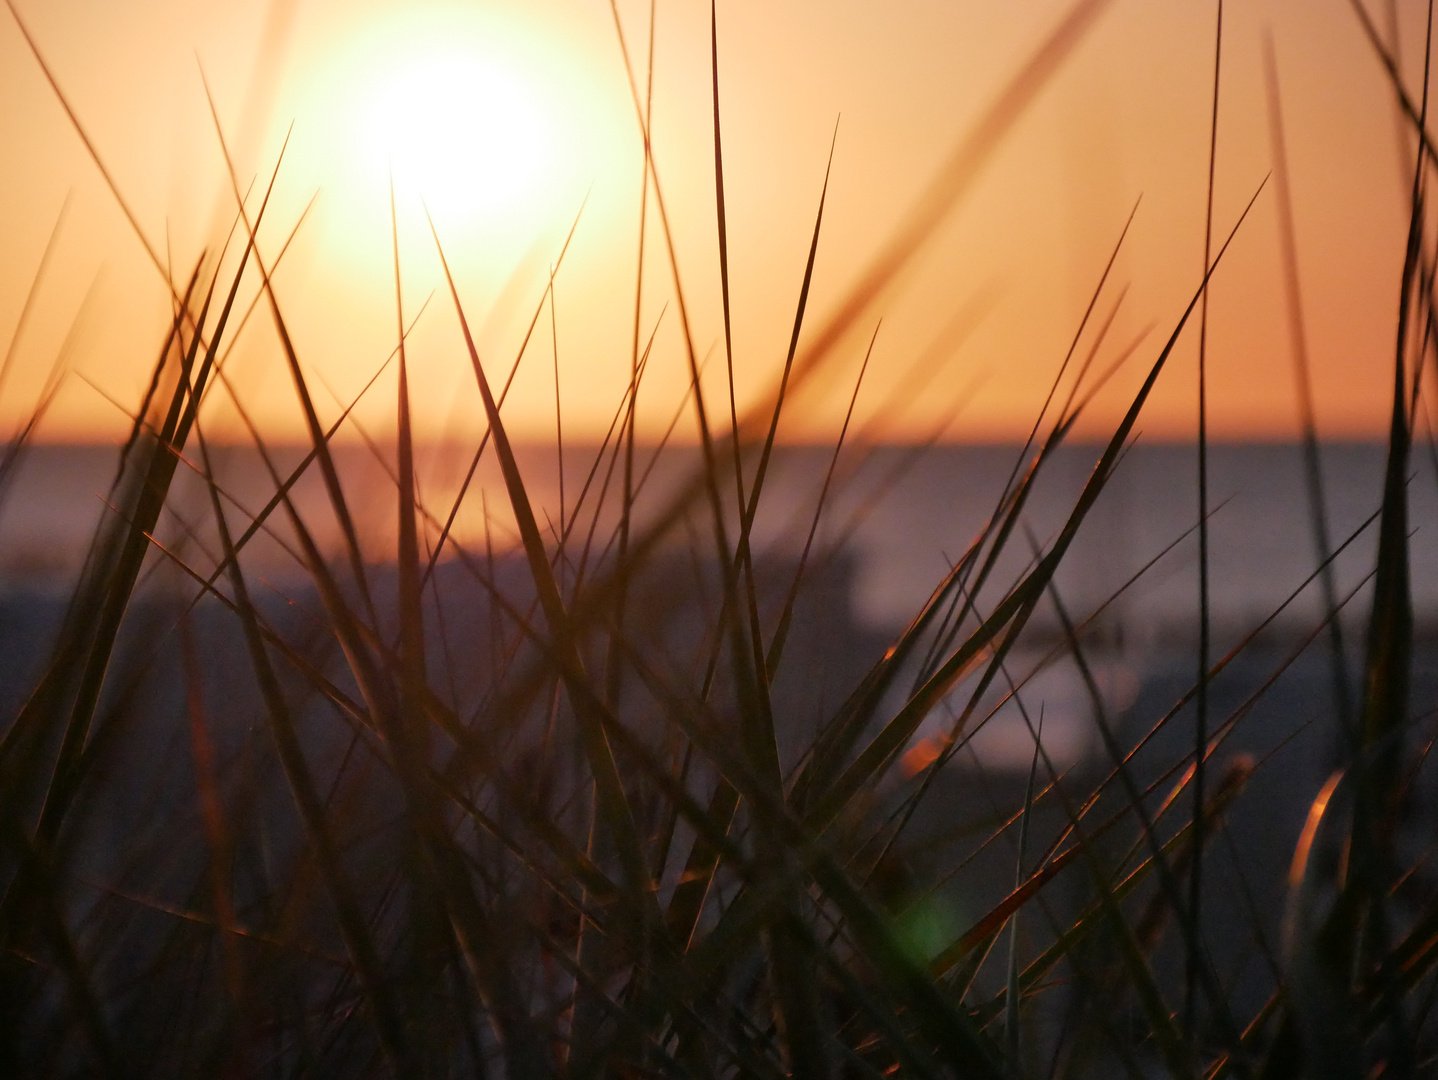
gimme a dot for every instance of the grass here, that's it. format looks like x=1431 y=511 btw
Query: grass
x=577 y=808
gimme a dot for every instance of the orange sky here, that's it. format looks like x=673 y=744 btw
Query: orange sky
x=1126 y=115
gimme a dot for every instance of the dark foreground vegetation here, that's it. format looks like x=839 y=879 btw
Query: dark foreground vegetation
x=629 y=799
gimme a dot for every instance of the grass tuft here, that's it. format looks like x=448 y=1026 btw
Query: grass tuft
x=621 y=797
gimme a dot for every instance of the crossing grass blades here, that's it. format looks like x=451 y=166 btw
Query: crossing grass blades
x=479 y=814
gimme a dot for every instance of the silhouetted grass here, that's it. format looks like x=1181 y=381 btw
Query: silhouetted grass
x=582 y=808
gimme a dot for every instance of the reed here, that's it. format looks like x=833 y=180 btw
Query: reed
x=578 y=806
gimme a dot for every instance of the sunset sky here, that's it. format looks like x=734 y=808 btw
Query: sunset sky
x=505 y=118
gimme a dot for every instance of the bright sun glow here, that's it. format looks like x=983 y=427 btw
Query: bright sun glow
x=491 y=121
x=464 y=132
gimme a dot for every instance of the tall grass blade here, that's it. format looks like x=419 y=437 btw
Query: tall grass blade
x=766 y=453
x=1012 y=1043
x=628 y=434
x=1200 y=736
x=352 y=923
x=612 y=797
x=1015 y=608
x=1012 y=499
x=954 y=179
x=316 y=433
x=722 y=221
x=439 y=545
x=411 y=616
x=786 y=613
x=1202 y=974
x=132 y=538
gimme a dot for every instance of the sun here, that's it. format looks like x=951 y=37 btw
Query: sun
x=465 y=132
x=506 y=128
x=485 y=118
